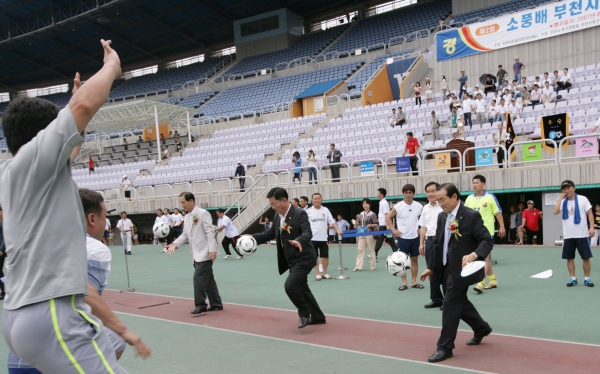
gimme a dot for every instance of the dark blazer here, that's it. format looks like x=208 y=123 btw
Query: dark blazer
x=336 y=155
x=287 y=254
x=475 y=238
x=240 y=171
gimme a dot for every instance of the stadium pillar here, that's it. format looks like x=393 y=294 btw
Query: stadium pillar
x=157 y=133
x=188 y=124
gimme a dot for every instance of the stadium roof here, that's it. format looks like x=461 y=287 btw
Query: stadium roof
x=43 y=42
x=319 y=89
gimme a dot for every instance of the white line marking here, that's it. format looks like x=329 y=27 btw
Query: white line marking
x=378 y=320
x=312 y=344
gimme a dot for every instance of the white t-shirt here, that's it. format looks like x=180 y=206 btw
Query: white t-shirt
x=98 y=263
x=514 y=109
x=177 y=219
x=564 y=77
x=536 y=95
x=428 y=219
x=570 y=229
x=162 y=218
x=384 y=209
x=125 y=224
x=480 y=105
x=492 y=111
x=407 y=219
x=126 y=183
x=467 y=105
x=501 y=109
x=548 y=92
x=319 y=220
x=230 y=230
x=107 y=225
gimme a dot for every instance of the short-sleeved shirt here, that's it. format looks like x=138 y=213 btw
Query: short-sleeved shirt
x=487 y=205
x=532 y=219
x=467 y=105
x=36 y=187
x=125 y=224
x=162 y=218
x=412 y=145
x=230 y=230
x=400 y=116
x=407 y=219
x=570 y=229
x=463 y=79
x=177 y=219
x=319 y=220
x=107 y=225
x=98 y=263
x=384 y=209
x=480 y=105
x=517 y=67
x=428 y=219
x=343 y=225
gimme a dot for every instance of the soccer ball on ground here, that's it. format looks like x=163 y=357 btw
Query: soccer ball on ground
x=398 y=263
x=246 y=245
x=161 y=229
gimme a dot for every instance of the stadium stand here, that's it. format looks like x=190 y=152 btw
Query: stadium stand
x=309 y=45
x=253 y=97
x=60 y=99
x=498 y=10
x=110 y=176
x=2 y=140
x=193 y=100
x=363 y=76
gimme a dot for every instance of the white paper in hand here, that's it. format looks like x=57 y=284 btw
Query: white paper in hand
x=543 y=275
x=472 y=267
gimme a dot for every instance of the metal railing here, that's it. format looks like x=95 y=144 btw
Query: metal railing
x=449 y=168
x=276 y=174
x=239 y=199
x=492 y=164
x=375 y=173
x=301 y=168
x=388 y=163
x=339 y=164
x=593 y=147
x=518 y=147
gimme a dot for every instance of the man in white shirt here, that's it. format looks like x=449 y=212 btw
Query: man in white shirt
x=319 y=218
x=547 y=93
x=106 y=232
x=161 y=218
x=177 y=219
x=548 y=78
x=476 y=91
x=199 y=231
x=427 y=231
x=467 y=109
x=536 y=95
x=407 y=214
x=384 y=209
x=231 y=233
x=480 y=109
x=500 y=139
x=125 y=226
x=564 y=81
x=126 y=185
x=167 y=213
x=514 y=108
x=492 y=112
x=392 y=118
x=501 y=110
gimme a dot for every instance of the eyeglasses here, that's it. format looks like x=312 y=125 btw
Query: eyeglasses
x=274 y=203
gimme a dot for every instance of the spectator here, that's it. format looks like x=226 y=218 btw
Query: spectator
x=506 y=95
x=384 y=209
x=576 y=212
x=596 y=224
x=512 y=232
x=525 y=97
x=489 y=85
x=515 y=89
x=171 y=222
x=520 y=209
x=266 y=222
x=162 y=137
x=476 y=91
x=548 y=78
x=304 y=202
x=240 y=171
x=312 y=167
x=176 y=134
x=412 y=147
x=124 y=141
x=450 y=21
x=400 y=117
x=536 y=95
x=177 y=219
x=393 y=118
x=480 y=108
x=417 y=90
x=297 y=161
x=428 y=90
x=444 y=87
x=125 y=186
x=178 y=144
x=496 y=97
x=502 y=108
x=342 y=225
x=441 y=24
x=453 y=100
x=524 y=84
x=547 y=93
x=463 y=80
x=435 y=126
x=91 y=166
x=555 y=78
x=166 y=152
x=366 y=221
x=140 y=140
x=334 y=156
x=454 y=121
x=514 y=109
x=106 y=232
x=111 y=236
x=492 y=113
x=296 y=202
x=170 y=134
x=518 y=67
x=500 y=140
x=136 y=240
x=530 y=225
x=537 y=81
x=563 y=83
x=125 y=226
x=467 y=106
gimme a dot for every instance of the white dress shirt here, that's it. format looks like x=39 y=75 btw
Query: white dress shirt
x=125 y=224
x=451 y=217
x=429 y=216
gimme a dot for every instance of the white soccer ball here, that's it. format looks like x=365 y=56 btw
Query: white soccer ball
x=246 y=245
x=398 y=263
x=161 y=229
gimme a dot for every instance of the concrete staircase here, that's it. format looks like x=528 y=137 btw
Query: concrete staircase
x=352 y=25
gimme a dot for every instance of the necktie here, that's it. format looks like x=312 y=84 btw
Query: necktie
x=447 y=237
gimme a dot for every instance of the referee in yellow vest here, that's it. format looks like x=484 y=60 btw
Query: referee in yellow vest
x=487 y=205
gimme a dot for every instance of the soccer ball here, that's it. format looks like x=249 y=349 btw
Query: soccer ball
x=246 y=245
x=161 y=229
x=398 y=264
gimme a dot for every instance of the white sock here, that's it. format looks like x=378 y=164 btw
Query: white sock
x=573 y=278
x=587 y=278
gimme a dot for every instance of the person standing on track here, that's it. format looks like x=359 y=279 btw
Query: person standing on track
x=487 y=205
x=231 y=233
x=384 y=209
x=162 y=218
x=44 y=302
x=531 y=223
x=320 y=218
x=126 y=227
x=427 y=232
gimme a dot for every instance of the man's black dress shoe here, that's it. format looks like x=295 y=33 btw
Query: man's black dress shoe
x=198 y=310
x=439 y=355
x=433 y=304
x=478 y=338
x=213 y=308
x=302 y=322
x=442 y=308
x=312 y=321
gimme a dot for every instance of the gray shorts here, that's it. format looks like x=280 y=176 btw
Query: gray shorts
x=61 y=336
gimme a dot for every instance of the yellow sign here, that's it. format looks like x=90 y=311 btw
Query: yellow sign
x=442 y=160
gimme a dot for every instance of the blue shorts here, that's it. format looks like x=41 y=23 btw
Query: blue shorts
x=298 y=175
x=581 y=244
x=409 y=246
x=106 y=234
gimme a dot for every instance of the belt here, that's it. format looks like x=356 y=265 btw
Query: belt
x=430 y=237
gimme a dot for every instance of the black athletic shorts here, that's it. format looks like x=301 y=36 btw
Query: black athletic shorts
x=321 y=247
x=581 y=244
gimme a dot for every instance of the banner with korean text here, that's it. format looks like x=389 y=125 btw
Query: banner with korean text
x=530 y=25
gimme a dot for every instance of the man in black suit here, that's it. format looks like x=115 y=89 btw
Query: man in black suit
x=452 y=251
x=334 y=157
x=291 y=230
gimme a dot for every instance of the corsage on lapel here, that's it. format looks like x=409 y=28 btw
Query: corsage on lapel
x=195 y=219
x=454 y=229
x=286 y=227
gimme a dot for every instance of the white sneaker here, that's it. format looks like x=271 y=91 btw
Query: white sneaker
x=318 y=278
x=239 y=257
x=320 y=268
x=327 y=276
x=227 y=256
x=162 y=251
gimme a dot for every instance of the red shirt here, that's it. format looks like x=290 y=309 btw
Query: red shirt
x=532 y=218
x=412 y=145
x=91 y=163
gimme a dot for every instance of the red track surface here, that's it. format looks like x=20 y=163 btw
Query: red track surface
x=497 y=354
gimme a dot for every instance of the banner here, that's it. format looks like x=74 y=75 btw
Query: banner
x=532 y=152
x=402 y=164
x=586 y=147
x=367 y=168
x=555 y=127
x=510 y=136
x=544 y=21
x=483 y=157
x=442 y=160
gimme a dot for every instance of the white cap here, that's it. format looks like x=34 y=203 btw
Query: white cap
x=239 y=162
x=124 y=176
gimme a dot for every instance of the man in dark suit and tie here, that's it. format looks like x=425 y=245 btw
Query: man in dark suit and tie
x=454 y=249
x=291 y=230
x=334 y=157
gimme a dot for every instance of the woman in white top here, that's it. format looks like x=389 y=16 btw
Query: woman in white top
x=312 y=161
x=428 y=90
x=444 y=87
x=367 y=221
x=417 y=89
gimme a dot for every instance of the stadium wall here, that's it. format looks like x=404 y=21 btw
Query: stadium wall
x=463 y=6
x=264 y=45
x=378 y=90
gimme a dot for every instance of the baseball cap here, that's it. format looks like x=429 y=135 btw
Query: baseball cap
x=476 y=85
x=239 y=162
x=513 y=99
x=567 y=183
x=530 y=202
x=516 y=57
x=124 y=176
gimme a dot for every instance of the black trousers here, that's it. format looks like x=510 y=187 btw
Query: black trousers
x=227 y=241
x=242 y=184
x=435 y=281
x=414 y=165
x=468 y=120
x=296 y=287
x=383 y=238
x=335 y=173
x=457 y=307
x=205 y=285
x=461 y=92
x=500 y=157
